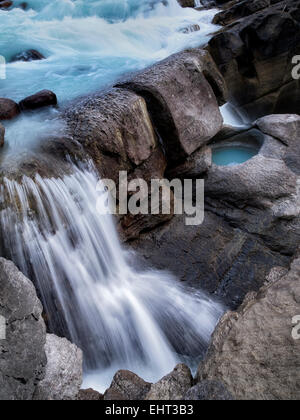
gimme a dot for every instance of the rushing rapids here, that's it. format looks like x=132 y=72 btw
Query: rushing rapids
x=91 y=288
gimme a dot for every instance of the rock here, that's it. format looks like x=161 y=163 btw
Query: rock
x=2 y=135
x=89 y=395
x=240 y=10
x=8 y=109
x=63 y=377
x=186 y=3
x=285 y=128
x=252 y=222
x=182 y=94
x=208 y=391
x=29 y=55
x=127 y=385
x=115 y=130
x=38 y=100
x=252 y=351
x=172 y=386
x=194 y=166
x=255 y=58
x=22 y=354
x=255 y=181
x=6 y=4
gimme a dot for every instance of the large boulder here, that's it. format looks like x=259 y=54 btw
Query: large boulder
x=33 y=365
x=172 y=386
x=182 y=94
x=253 y=352
x=22 y=353
x=255 y=57
x=63 y=376
x=128 y=386
x=251 y=224
x=116 y=130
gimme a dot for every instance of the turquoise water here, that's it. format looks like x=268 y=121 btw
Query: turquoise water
x=227 y=156
x=88 y=45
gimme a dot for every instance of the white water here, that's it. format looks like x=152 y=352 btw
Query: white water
x=123 y=318
x=91 y=288
x=88 y=45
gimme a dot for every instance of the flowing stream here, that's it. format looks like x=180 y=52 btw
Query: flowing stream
x=92 y=290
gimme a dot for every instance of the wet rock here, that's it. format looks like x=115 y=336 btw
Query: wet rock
x=253 y=352
x=255 y=58
x=38 y=100
x=127 y=385
x=194 y=166
x=22 y=354
x=208 y=391
x=252 y=222
x=182 y=94
x=29 y=55
x=8 y=109
x=115 y=129
x=2 y=134
x=89 y=395
x=240 y=10
x=6 y=4
x=63 y=376
x=172 y=386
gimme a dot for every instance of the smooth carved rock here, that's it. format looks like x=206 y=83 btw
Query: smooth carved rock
x=127 y=385
x=115 y=129
x=172 y=386
x=255 y=58
x=63 y=376
x=252 y=351
x=22 y=354
x=182 y=94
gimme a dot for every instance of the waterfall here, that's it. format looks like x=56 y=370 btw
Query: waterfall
x=121 y=316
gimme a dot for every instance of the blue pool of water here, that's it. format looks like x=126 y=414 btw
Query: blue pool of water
x=227 y=156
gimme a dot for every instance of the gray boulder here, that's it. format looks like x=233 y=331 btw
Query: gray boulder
x=253 y=351
x=63 y=377
x=127 y=385
x=182 y=94
x=22 y=353
x=172 y=386
x=208 y=391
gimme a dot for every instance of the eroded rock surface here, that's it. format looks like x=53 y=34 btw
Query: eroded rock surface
x=253 y=351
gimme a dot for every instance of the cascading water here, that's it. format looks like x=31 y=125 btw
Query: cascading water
x=120 y=316
x=92 y=291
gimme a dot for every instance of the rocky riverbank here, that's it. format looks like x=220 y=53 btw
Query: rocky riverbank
x=165 y=122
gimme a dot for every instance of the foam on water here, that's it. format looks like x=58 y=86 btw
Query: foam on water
x=88 y=45
x=122 y=317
